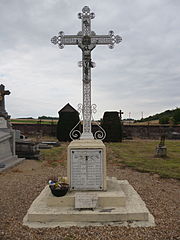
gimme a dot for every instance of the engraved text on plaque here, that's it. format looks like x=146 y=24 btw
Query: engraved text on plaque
x=86 y=169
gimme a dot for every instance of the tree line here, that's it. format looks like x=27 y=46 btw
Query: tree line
x=166 y=117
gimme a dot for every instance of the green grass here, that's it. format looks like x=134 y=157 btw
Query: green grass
x=55 y=155
x=137 y=154
x=140 y=156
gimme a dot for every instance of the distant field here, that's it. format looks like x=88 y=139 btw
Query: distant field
x=33 y=121
x=153 y=122
x=49 y=121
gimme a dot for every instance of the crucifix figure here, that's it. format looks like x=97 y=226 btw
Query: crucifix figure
x=3 y=92
x=86 y=41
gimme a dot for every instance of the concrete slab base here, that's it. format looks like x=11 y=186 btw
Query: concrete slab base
x=10 y=162
x=127 y=209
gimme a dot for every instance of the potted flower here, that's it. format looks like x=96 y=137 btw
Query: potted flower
x=58 y=185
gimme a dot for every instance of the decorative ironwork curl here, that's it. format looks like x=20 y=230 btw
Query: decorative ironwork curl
x=93 y=108
x=74 y=133
x=80 y=107
x=100 y=134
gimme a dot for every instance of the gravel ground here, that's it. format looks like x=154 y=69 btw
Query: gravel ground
x=22 y=184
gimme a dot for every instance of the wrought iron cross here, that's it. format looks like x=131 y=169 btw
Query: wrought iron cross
x=86 y=41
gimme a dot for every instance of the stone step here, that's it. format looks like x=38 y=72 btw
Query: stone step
x=9 y=162
x=110 y=198
x=43 y=214
x=97 y=215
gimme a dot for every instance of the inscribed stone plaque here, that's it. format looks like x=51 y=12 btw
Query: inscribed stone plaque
x=86 y=169
x=85 y=200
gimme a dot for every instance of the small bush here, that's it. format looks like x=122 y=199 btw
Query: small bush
x=111 y=123
x=67 y=120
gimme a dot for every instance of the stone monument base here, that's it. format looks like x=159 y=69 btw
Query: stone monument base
x=7 y=152
x=119 y=205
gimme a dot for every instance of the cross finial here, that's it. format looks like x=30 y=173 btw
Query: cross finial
x=86 y=12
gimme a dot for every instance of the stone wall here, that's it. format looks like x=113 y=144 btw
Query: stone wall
x=150 y=131
x=134 y=131
x=36 y=129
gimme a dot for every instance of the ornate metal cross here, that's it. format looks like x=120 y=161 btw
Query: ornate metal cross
x=3 y=92
x=86 y=41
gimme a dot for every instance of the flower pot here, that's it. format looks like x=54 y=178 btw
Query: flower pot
x=60 y=192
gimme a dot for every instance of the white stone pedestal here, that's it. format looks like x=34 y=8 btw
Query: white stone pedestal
x=119 y=205
x=93 y=199
x=86 y=166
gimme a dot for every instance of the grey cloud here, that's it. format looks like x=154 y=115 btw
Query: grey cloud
x=141 y=74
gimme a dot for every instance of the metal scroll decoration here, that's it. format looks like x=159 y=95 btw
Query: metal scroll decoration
x=99 y=134
x=75 y=133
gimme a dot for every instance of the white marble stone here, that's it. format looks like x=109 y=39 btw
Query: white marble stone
x=86 y=168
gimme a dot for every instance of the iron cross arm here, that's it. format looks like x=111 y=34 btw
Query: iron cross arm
x=62 y=40
x=86 y=40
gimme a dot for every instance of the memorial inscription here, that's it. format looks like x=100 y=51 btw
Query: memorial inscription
x=86 y=169
x=86 y=200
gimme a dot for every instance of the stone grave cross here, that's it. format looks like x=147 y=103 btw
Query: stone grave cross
x=3 y=92
x=86 y=41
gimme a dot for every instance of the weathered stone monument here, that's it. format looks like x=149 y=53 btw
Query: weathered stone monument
x=93 y=197
x=3 y=92
x=8 y=156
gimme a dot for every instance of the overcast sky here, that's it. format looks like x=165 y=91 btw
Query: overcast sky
x=141 y=74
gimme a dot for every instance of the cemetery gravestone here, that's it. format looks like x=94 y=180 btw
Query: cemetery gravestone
x=3 y=92
x=161 y=150
x=7 y=135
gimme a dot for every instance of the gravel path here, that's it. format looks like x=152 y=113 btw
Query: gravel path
x=22 y=184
